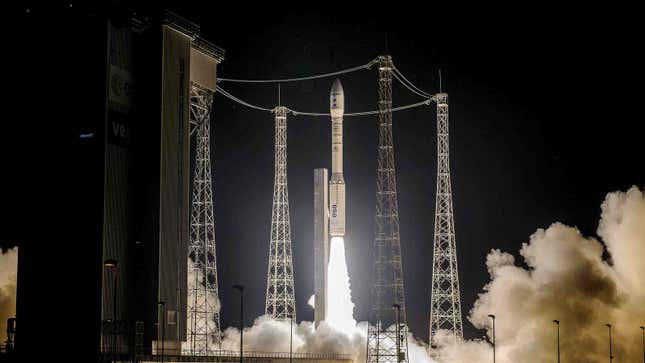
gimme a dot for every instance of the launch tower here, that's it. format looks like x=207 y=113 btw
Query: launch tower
x=384 y=338
x=202 y=305
x=280 y=295
x=445 y=305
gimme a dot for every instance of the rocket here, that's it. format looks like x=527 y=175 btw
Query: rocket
x=337 y=182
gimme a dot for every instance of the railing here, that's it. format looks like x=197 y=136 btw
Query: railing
x=217 y=355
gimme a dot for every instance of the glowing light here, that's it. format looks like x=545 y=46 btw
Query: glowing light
x=340 y=314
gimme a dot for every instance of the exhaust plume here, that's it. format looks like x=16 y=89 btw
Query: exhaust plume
x=580 y=281
x=340 y=311
x=339 y=333
x=567 y=278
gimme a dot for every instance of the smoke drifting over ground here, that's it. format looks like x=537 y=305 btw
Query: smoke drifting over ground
x=8 y=273
x=577 y=280
x=569 y=280
x=339 y=334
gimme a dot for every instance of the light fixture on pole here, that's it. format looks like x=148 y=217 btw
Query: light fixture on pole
x=240 y=288
x=611 y=351
x=494 y=345
x=111 y=265
x=557 y=323
x=163 y=327
x=643 y=333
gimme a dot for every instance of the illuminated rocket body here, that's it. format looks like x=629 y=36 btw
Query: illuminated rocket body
x=337 y=182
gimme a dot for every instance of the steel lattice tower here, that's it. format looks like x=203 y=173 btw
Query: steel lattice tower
x=203 y=300
x=388 y=269
x=280 y=296
x=445 y=306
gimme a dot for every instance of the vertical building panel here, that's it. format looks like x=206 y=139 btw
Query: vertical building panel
x=203 y=69
x=174 y=183
x=117 y=213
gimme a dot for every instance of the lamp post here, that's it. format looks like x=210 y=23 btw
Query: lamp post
x=291 y=340
x=398 y=334
x=643 y=331
x=557 y=323
x=163 y=327
x=611 y=351
x=494 y=345
x=111 y=265
x=240 y=288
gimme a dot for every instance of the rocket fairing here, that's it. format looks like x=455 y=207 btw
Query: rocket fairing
x=337 y=182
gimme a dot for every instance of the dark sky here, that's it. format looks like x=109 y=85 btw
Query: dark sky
x=544 y=121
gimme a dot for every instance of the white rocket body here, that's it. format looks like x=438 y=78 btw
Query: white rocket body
x=337 y=182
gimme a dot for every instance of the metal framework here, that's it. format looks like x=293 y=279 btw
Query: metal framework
x=388 y=270
x=138 y=338
x=203 y=301
x=445 y=306
x=280 y=295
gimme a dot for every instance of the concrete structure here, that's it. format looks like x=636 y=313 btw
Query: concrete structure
x=321 y=243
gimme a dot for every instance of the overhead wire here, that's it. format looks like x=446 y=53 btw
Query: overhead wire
x=409 y=85
x=235 y=99
x=398 y=75
x=284 y=80
x=424 y=95
x=365 y=113
x=321 y=114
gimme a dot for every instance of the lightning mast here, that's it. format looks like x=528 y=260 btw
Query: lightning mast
x=387 y=290
x=203 y=300
x=280 y=295
x=445 y=306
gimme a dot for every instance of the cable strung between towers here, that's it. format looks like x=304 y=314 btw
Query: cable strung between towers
x=226 y=94
x=298 y=79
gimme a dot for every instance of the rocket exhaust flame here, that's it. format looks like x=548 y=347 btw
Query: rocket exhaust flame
x=340 y=312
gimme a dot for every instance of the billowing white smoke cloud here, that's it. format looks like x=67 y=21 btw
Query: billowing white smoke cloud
x=569 y=280
x=339 y=334
x=8 y=273
x=270 y=335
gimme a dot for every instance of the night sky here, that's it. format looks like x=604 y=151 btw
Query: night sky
x=544 y=121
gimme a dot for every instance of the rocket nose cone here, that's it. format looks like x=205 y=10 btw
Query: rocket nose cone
x=337 y=88
x=337 y=99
